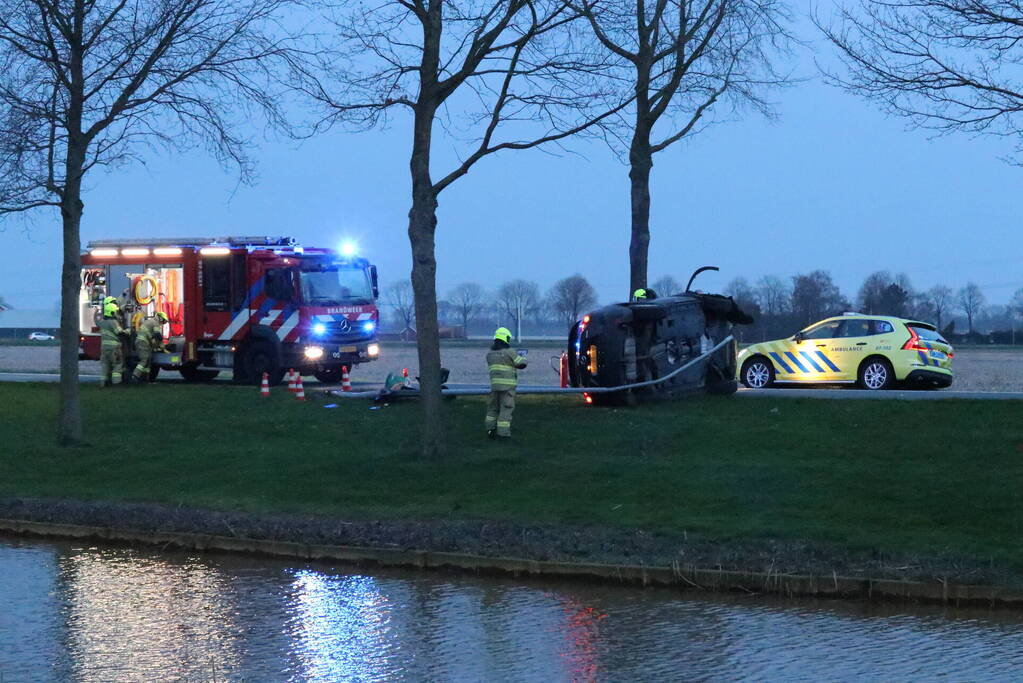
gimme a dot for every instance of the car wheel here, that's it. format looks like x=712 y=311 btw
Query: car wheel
x=757 y=373
x=876 y=374
x=259 y=358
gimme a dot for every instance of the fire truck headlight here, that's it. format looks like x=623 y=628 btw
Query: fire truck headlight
x=373 y=349
x=313 y=352
x=319 y=329
x=369 y=327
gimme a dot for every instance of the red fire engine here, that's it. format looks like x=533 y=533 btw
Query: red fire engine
x=246 y=304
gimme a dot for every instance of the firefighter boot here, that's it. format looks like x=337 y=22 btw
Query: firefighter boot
x=492 y=433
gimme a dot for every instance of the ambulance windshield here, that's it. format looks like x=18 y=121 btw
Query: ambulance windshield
x=336 y=285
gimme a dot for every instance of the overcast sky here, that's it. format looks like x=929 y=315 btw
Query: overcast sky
x=831 y=184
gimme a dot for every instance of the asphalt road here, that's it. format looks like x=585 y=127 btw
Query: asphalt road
x=836 y=393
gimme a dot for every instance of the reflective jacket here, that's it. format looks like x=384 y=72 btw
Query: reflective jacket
x=504 y=365
x=110 y=332
x=150 y=332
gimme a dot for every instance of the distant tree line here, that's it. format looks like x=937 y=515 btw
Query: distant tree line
x=780 y=306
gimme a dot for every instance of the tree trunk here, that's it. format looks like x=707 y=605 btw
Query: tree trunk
x=69 y=421
x=641 y=161
x=422 y=226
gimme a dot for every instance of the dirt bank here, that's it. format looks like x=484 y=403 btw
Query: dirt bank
x=561 y=543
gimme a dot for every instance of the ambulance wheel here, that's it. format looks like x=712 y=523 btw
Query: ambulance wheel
x=260 y=357
x=190 y=373
x=328 y=375
x=876 y=374
x=757 y=373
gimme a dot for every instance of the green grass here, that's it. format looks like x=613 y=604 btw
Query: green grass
x=908 y=476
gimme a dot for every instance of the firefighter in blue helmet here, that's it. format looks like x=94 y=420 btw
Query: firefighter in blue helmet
x=504 y=364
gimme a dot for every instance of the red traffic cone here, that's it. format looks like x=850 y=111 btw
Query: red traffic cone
x=299 y=389
x=346 y=383
x=264 y=386
x=292 y=384
x=404 y=377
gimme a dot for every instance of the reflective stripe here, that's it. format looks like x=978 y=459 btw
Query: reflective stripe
x=501 y=381
x=811 y=361
x=827 y=361
x=782 y=363
x=796 y=361
x=504 y=423
x=501 y=368
x=519 y=360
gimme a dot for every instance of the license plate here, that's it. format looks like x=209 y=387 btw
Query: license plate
x=349 y=349
x=940 y=355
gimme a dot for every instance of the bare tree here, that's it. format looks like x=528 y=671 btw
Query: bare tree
x=944 y=65
x=86 y=84
x=941 y=299
x=570 y=297
x=815 y=296
x=399 y=297
x=773 y=295
x=666 y=285
x=884 y=293
x=518 y=299
x=687 y=63
x=467 y=299
x=501 y=74
x=970 y=301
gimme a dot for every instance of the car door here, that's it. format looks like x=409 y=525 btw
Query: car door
x=850 y=346
x=804 y=357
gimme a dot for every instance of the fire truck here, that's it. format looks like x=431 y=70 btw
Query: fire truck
x=251 y=305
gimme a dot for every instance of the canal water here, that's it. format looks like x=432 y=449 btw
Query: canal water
x=76 y=613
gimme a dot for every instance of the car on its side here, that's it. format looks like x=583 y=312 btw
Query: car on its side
x=873 y=351
x=40 y=336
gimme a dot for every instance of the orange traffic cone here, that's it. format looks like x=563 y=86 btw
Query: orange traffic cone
x=346 y=383
x=264 y=387
x=292 y=385
x=299 y=389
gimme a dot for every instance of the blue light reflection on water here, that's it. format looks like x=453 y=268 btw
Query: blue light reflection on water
x=73 y=613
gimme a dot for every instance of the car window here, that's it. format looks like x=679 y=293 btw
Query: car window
x=881 y=327
x=927 y=334
x=827 y=330
x=855 y=328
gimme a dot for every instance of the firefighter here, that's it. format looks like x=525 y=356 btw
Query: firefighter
x=111 y=350
x=148 y=338
x=504 y=365
x=642 y=294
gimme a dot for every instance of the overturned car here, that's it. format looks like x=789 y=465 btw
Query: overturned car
x=648 y=342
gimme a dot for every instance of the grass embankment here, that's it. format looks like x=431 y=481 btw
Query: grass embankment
x=940 y=478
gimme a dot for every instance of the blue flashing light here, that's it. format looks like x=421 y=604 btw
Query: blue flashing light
x=369 y=326
x=319 y=329
x=349 y=249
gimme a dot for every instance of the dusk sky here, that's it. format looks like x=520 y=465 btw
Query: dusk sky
x=832 y=183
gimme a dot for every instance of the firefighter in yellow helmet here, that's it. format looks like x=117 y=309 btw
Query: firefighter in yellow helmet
x=504 y=364
x=111 y=356
x=148 y=338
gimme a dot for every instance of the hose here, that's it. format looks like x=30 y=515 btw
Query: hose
x=485 y=391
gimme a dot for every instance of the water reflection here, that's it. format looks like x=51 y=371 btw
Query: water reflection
x=87 y=614
x=123 y=613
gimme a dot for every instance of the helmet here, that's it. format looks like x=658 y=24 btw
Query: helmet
x=110 y=307
x=639 y=294
x=162 y=316
x=504 y=334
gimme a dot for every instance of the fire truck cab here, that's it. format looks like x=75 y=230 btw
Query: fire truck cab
x=245 y=304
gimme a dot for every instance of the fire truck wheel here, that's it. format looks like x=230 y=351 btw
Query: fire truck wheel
x=328 y=375
x=259 y=358
x=190 y=373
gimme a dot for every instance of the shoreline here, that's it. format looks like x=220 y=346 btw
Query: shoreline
x=607 y=555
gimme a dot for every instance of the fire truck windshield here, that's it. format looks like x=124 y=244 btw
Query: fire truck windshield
x=338 y=285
